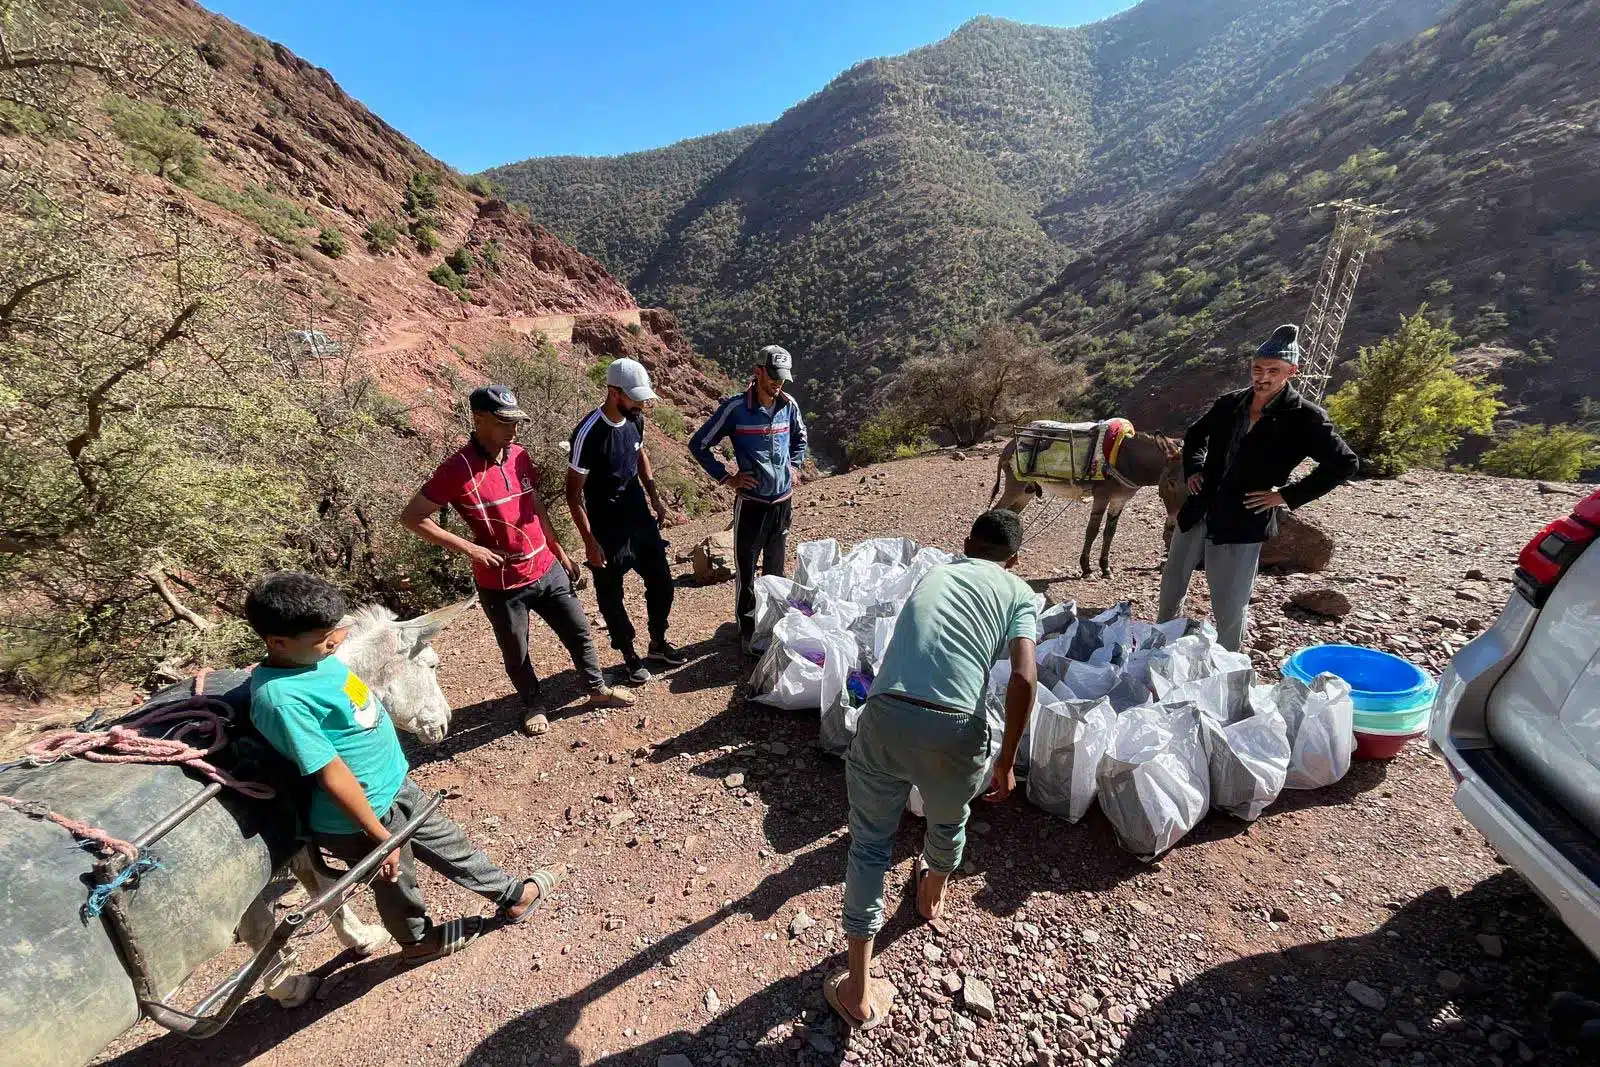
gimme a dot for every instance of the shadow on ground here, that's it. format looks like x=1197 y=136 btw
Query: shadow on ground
x=1291 y=1007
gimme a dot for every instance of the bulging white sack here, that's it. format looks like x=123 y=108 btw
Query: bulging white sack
x=1321 y=725
x=1154 y=785
x=1068 y=741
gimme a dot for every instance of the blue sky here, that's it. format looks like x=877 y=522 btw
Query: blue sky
x=478 y=84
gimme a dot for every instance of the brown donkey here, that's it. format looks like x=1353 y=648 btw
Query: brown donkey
x=1144 y=459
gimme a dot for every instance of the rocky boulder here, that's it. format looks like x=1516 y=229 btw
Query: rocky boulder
x=1329 y=603
x=1300 y=545
x=712 y=559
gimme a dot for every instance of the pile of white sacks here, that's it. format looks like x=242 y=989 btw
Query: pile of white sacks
x=1157 y=722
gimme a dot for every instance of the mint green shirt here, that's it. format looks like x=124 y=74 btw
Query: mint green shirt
x=313 y=714
x=960 y=619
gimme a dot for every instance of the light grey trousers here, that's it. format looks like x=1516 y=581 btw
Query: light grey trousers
x=1230 y=575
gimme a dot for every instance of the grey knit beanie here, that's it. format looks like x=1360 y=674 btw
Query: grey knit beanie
x=1283 y=344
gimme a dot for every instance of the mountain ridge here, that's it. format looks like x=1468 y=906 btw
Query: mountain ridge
x=914 y=195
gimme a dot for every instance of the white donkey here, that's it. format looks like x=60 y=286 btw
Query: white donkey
x=398 y=662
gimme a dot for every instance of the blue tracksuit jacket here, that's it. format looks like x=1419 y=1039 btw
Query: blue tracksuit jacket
x=766 y=443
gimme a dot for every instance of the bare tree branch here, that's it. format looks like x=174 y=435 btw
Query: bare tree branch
x=158 y=579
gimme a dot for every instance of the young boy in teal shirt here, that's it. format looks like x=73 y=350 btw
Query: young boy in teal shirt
x=324 y=719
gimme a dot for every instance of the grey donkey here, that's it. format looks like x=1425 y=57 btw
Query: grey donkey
x=1144 y=459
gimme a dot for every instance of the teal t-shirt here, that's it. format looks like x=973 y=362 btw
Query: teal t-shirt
x=312 y=714
x=960 y=619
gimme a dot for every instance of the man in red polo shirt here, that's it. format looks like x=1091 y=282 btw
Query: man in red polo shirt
x=517 y=563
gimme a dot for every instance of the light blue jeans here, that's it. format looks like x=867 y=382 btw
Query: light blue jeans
x=898 y=745
x=1230 y=575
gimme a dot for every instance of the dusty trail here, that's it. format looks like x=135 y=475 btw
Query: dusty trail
x=1236 y=948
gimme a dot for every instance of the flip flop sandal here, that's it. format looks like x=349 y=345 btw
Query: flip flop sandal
x=880 y=1011
x=454 y=936
x=922 y=871
x=544 y=879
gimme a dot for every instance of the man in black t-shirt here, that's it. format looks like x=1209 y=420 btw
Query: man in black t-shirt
x=608 y=483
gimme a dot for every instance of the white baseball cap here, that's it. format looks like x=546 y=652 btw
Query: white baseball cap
x=630 y=376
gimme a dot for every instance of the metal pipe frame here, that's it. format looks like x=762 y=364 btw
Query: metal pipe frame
x=215 y=1010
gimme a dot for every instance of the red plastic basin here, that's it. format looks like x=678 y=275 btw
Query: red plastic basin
x=1381 y=746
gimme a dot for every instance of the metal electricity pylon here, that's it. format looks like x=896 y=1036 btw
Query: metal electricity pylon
x=1335 y=290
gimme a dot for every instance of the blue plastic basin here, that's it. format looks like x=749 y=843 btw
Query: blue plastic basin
x=1379 y=682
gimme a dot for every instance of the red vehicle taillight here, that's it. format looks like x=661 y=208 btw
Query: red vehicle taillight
x=1545 y=558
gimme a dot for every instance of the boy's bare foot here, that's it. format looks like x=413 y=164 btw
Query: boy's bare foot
x=535 y=891
x=930 y=890
x=854 y=999
x=862 y=1007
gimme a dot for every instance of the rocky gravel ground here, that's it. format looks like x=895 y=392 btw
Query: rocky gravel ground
x=1365 y=924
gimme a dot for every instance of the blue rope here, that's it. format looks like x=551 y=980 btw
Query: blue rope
x=102 y=893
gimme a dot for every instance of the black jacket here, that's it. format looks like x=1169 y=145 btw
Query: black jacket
x=1291 y=430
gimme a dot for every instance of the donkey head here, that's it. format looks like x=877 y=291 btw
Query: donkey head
x=397 y=660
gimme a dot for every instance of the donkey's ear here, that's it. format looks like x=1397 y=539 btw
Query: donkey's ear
x=414 y=633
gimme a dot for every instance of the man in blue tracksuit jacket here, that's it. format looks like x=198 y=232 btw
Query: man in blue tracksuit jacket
x=769 y=443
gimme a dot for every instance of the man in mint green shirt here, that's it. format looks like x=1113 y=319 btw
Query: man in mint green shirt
x=923 y=725
x=324 y=719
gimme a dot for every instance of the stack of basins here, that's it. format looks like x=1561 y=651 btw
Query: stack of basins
x=1392 y=696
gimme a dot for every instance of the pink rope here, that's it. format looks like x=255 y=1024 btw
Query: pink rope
x=104 y=842
x=125 y=744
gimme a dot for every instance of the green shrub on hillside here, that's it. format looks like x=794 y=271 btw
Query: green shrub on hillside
x=381 y=237
x=1000 y=375
x=426 y=237
x=422 y=193
x=1555 y=453
x=476 y=185
x=490 y=255
x=445 y=276
x=330 y=242
x=1406 y=407
x=461 y=261
x=159 y=139
x=597 y=372
x=274 y=215
x=666 y=415
x=885 y=435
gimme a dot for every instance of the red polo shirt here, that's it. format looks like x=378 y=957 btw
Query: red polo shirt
x=496 y=502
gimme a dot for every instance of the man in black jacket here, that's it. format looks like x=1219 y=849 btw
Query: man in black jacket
x=1237 y=459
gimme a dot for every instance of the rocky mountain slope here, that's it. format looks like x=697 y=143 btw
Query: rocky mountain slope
x=335 y=202
x=916 y=194
x=1480 y=138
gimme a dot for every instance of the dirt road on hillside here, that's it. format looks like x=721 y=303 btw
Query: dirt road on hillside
x=678 y=931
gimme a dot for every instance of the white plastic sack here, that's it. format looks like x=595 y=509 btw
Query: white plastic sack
x=882 y=634
x=1196 y=656
x=1248 y=757
x=1053 y=655
x=814 y=557
x=1068 y=741
x=1219 y=696
x=1321 y=726
x=792 y=672
x=773 y=601
x=1086 y=681
x=1057 y=620
x=994 y=708
x=1154 y=784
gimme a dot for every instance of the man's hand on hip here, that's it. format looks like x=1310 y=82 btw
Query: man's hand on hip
x=1264 y=500
x=740 y=480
